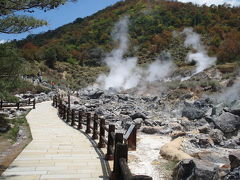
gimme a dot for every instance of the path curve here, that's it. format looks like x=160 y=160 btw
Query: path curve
x=57 y=151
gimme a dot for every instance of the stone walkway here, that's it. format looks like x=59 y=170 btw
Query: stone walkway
x=57 y=151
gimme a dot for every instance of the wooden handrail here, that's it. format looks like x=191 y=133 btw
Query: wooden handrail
x=117 y=150
x=18 y=104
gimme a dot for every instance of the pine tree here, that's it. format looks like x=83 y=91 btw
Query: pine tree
x=12 y=23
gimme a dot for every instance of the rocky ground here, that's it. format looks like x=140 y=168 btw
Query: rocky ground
x=204 y=127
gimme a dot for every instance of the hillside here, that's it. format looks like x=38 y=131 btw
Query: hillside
x=81 y=46
x=85 y=41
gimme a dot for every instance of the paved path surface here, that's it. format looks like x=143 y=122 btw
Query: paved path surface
x=57 y=151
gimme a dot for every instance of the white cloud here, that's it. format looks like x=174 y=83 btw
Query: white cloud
x=2 y=41
x=216 y=2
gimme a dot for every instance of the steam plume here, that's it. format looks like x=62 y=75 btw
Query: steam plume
x=203 y=61
x=160 y=68
x=124 y=72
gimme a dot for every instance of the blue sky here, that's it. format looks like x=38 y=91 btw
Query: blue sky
x=62 y=15
x=69 y=12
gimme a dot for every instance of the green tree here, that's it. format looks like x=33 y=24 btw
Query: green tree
x=10 y=68
x=51 y=57
x=10 y=22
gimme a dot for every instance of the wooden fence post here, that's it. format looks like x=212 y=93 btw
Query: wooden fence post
x=132 y=140
x=34 y=103
x=88 y=130
x=69 y=101
x=80 y=114
x=101 y=143
x=68 y=113
x=18 y=105
x=118 y=139
x=121 y=151
x=73 y=117
x=60 y=111
x=1 y=104
x=53 y=101
x=56 y=101
x=95 y=127
x=109 y=155
x=64 y=112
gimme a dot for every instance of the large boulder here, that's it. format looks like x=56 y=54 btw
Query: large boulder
x=194 y=169
x=95 y=94
x=123 y=97
x=193 y=113
x=235 y=109
x=216 y=135
x=197 y=109
x=138 y=115
x=218 y=109
x=228 y=123
x=234 y=158
x=172 y=150
x=234 y=174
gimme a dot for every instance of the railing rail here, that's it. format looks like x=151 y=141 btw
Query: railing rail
x=19 y=104
x=117 y=148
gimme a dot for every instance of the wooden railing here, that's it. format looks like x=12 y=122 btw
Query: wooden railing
x=117 y=146
x=28 y=102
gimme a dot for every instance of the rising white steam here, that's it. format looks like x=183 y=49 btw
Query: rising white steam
x=230 y=94
x=161 y=68
x=124 y=72
x=200 y=56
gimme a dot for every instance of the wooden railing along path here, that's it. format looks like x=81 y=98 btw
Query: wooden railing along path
x=19 y=104
x=117 y=144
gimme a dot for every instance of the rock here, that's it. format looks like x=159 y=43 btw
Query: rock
x=234 y=158
x=233 y=175
x=186 y=96
x=148 y=123
x=150 y=130
x=123 y=97
x=218 y=109
x=138 y=122
x=172 y=150
x=228 y=123
x=187 y=125
x=216 y=135
x=235 y=112
x=194 y=169
x=177 y=134
x=138 y=115
x=5 y=128
x=204 y=129
x=88 y=105
x=95 y=94
x=213 y=157
x=231 y=144
x=75 y=102
x=193 y=113
x=202 y=141
x=175 y=126
x=166 y=131
x=235 y=109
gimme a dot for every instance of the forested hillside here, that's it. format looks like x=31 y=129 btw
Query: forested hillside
x=85 y=41
x=73 y=54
